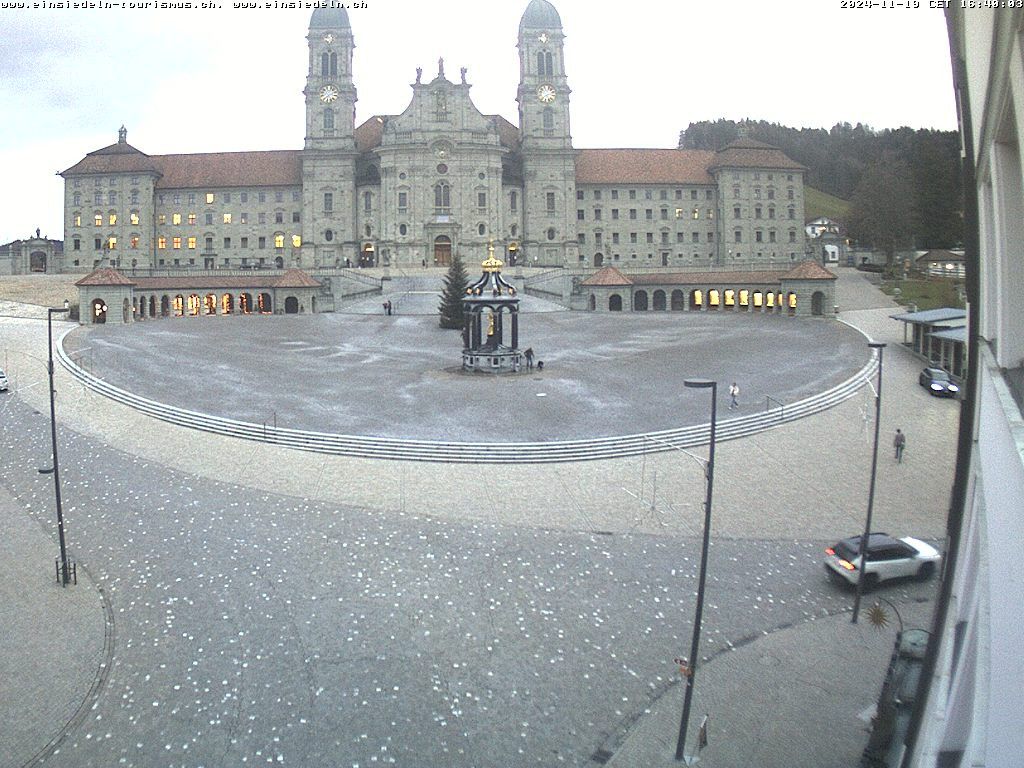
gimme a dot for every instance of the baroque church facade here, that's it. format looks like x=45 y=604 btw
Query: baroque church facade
x=438 y=179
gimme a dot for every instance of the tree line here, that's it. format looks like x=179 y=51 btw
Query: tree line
x=903 y=185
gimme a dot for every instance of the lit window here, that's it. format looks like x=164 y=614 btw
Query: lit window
x=227 y=218
x=111 y=243
x=209 y=198
x=135 y=242
x=192 y=243
x=696 y=213
x=296 y=241
x=113 y=219
x=78 y=219
x=175 y=218
x=279 y=241
x=192 y=219
x=161 y=218
x=134 y=218
x=161 y=243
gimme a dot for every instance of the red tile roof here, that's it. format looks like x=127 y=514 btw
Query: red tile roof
x=204 y=171
x=293 y=278
x=273 y=168
x=105 y=276
x=607 y=276
x=724 y=277
x=808 y=270
x=748 y=153
x=644 y=166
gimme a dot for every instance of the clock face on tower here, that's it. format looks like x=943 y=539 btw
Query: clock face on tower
x=546 y=93
x=544 y=37
x=329 y=38
x=328 y=94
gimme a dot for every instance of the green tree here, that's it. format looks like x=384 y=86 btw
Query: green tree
x=883 y=206
x=455 y=283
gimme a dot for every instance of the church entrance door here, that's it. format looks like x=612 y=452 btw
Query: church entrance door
x=442 y=251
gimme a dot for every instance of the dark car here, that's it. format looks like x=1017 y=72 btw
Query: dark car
x=938 y=382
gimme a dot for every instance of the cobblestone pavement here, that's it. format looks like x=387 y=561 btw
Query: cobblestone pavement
x=275 y=607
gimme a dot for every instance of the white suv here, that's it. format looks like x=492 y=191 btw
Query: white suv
x=887 y=558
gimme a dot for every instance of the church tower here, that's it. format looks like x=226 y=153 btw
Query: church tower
x=329 y=155
x=549 y=161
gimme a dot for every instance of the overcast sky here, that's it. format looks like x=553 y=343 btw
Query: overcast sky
x=640 y=71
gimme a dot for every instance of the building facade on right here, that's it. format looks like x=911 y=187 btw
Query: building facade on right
x=971 y=697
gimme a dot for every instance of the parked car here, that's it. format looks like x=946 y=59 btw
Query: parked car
x=938 y=383
x=887 y=558
x=3 y=381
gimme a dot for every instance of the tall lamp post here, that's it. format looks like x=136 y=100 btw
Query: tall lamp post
x=53 y=434
x=709 y=487
x=880 y=346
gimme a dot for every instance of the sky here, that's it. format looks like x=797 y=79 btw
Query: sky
x=230 y=79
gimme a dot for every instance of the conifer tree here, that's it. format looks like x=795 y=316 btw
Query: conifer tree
x=455 y=283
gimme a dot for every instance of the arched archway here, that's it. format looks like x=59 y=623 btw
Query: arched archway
x=37 y=261
x=658 y=301
x=697 y=298
x=615 y=303
x=817 y=303
x=152 y=306
x=195 y=305
x=264 y=303
x=678 y=301
x=227 y=304
x=598 y=259
x=279 y=262
x=99 y=311
x=730 y=299
x=367 y=256
x=165 y=305
x=758 y=301
x=640 y=301
x=210 y=304
x=593 y=302
x=179 y=306
x=291 y=305
x=442 y=251
x=126 y=310
x=245 y=303
x=714 y=298
x=791 y=303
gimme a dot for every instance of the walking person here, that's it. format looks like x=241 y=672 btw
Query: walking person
x=734 y=393
x=528 y=354
x=899 y=442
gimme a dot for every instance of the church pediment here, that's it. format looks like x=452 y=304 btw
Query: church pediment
x=441 y=107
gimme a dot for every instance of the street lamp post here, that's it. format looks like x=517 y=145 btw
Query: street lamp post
x=53 y=434
x=880 y=346
x=709 y=487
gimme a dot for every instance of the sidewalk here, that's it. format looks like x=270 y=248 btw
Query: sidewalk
x=56 y=642
x=801 y=697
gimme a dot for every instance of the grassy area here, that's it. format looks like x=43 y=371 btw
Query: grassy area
x=818 y=203
x=924 y=293
x=44 y=290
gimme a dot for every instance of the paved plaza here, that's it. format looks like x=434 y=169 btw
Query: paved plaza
x=240 y=603
x=398 y=376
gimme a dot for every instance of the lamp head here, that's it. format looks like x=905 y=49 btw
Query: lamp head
x=699 y=383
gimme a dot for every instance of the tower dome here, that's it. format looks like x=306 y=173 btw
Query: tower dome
x=329 y=18
x=540 y=14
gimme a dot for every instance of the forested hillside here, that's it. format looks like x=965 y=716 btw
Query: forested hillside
x=903 y=185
